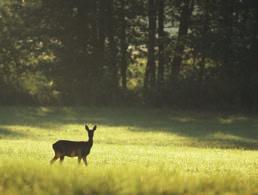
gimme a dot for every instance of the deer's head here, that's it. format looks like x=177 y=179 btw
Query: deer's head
x=90 y=131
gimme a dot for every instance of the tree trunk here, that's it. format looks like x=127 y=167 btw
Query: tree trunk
x=101 y=34
x=123 y=47
x=249 y=70
x=228 y=27
x=149 y=81
x=161 y=44
x=204 y=40
x=111 y=47
x=182 y=32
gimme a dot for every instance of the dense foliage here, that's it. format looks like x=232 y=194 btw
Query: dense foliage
x=189 y=53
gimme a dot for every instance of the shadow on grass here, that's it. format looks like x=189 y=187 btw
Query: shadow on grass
x=204 y=129
x=7 y=133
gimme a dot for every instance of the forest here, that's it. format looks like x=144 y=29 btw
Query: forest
x=173 y=53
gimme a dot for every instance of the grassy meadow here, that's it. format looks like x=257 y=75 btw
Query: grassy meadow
x=135 y=151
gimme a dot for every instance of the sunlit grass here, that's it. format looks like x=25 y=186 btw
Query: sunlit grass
x=135 y=151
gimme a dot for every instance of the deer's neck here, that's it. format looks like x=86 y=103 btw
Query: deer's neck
x=90 y=141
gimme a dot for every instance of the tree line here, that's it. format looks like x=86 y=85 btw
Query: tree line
x=183 y=53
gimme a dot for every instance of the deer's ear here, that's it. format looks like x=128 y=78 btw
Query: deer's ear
x=94 y=128
x=87 y=128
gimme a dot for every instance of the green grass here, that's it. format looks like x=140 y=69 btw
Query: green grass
x=135 y=151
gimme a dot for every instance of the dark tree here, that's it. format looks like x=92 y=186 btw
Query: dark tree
x=185 y=16
x=150 y=73
x=123 y=45
x=161 y=35
x=112 y=50
x=200 y=54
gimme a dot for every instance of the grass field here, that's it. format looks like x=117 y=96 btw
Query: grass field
x=135 y=151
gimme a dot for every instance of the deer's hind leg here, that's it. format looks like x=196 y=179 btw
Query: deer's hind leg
x=54 y=158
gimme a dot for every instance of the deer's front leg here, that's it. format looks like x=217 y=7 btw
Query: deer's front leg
x=61 y=159
x=79 y=160
x=85 y=160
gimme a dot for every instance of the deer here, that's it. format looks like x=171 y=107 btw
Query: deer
x=80 y=149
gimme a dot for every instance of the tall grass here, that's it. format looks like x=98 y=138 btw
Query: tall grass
x=135 y=151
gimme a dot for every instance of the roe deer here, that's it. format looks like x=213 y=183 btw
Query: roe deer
x=81 y=149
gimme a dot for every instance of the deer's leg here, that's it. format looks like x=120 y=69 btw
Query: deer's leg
x=79 y=160
x=61 y=159
x=85 y=160
x=57 y=155
x=54 y=159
